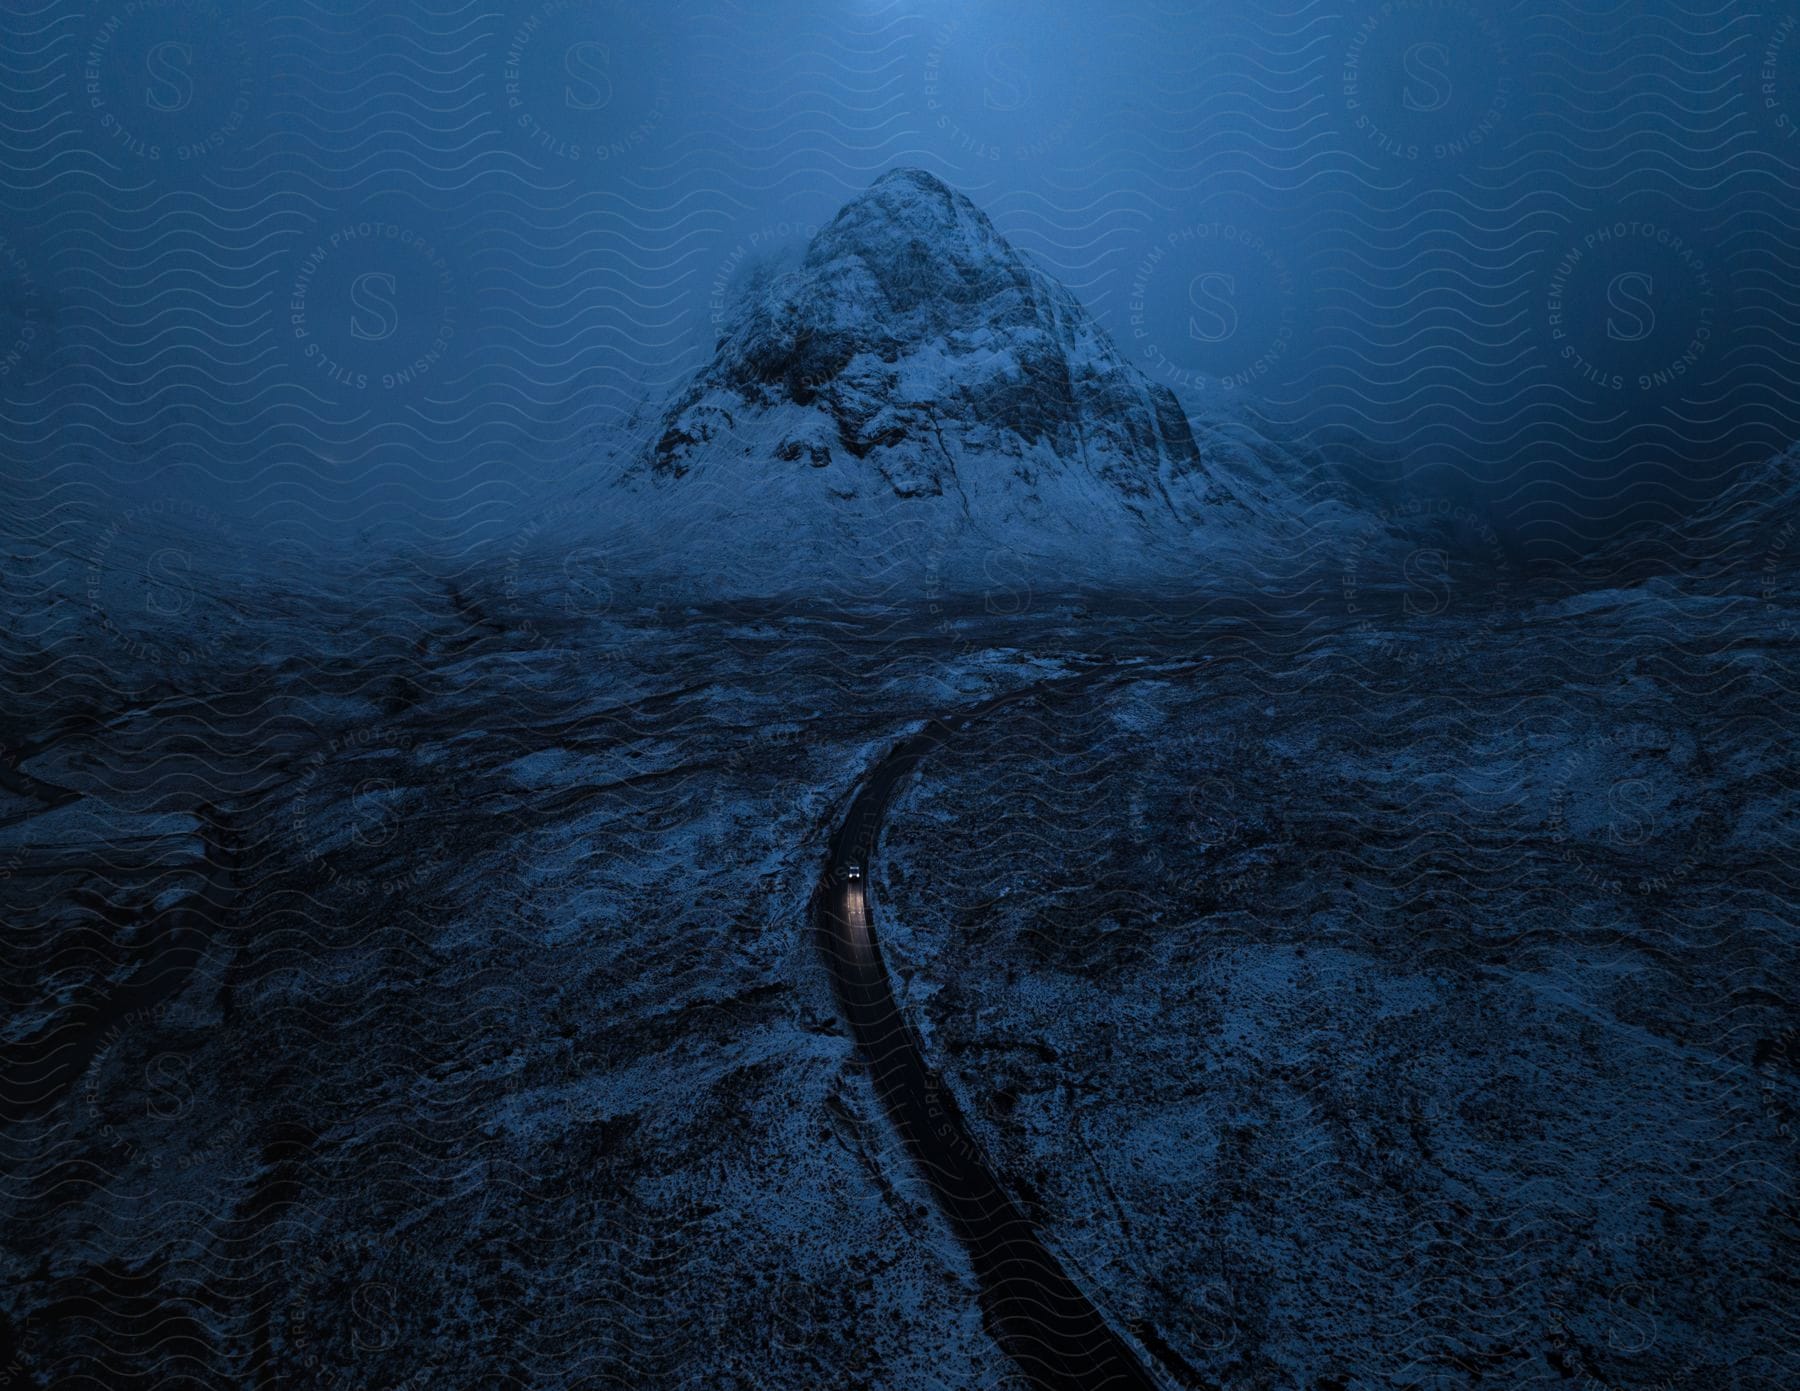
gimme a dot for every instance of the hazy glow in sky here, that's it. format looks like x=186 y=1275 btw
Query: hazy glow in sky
x=1491 y=247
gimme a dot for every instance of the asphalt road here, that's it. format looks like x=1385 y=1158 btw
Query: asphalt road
x=1043 y=1320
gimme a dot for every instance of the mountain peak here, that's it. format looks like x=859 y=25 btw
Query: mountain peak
x=909 y=182
x=916 y=379
x=911 y=241
x=918 y=178
x=911 y=200
x=911 y=302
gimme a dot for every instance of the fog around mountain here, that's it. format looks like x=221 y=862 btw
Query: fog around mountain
x=332 y=270
x=913 y=405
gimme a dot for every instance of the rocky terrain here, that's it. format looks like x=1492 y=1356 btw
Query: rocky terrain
x=1368 y=964
x=366 y=1029
x=1402 y=1002
x=1408 y=1009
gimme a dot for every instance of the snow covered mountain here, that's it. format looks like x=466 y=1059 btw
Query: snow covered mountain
x=917 y=402
x=1746 y=537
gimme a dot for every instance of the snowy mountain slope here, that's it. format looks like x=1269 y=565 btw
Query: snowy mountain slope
x=916 y=400
x=1745 y=538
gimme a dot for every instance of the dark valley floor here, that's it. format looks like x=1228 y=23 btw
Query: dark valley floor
x=417 y=989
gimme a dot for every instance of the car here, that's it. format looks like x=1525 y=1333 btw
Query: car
x=853 y=871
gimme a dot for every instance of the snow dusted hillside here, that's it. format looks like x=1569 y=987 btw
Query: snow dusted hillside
x=917 y=403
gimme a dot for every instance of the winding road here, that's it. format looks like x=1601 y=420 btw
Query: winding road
x=1043 y=1320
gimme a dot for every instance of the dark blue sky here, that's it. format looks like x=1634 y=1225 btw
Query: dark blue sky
x=334 y=268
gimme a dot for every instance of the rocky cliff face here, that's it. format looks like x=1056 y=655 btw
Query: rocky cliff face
x=918 y=337
x=1747 y=538
x=917 y=392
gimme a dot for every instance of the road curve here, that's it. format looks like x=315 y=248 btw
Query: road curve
x=1054 y=1333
